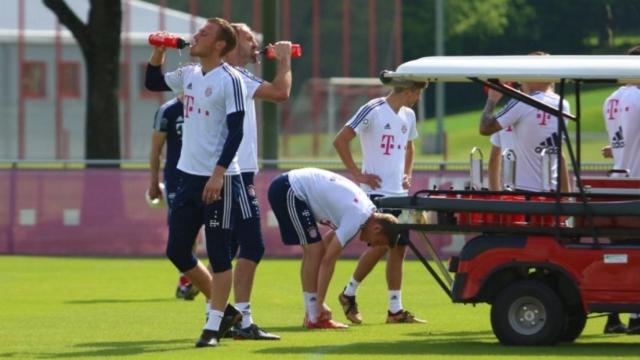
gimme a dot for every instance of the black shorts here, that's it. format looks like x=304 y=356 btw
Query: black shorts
x=295 y=218
x=404 y=235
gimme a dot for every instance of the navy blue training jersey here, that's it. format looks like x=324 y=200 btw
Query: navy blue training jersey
x=169 y=120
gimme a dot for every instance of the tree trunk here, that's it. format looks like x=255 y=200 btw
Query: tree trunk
x=99 y=41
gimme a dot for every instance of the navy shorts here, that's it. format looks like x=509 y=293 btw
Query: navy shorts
x=247 y=233
x=189 y=213
x=297 y=223
x=171 y=189
x=404 y=235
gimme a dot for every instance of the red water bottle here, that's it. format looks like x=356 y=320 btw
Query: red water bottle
x=167 y=40
x=296 y=51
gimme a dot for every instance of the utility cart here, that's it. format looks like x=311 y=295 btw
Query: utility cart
x=542 y=260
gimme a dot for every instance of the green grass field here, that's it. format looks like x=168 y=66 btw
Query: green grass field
x=92 y=308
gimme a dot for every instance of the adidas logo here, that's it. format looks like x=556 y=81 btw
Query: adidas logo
x=189 y=86
x=551 y=144
x=394 y=297
x=387 y=127
x=617 y=142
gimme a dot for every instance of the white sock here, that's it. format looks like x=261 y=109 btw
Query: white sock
x=310 y=305
x=245 y=309
x=213 y=323
x=634 y=316
x=395 y=301
x=352 y=287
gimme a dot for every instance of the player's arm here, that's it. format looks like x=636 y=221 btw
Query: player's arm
x=279 y=89
x=333 y=248
x=488 y=122
x=213 y=187
x=495 y=168
x=158 y=139
x=342 y=143
x=606 y=152
x=565 y=186
x=408 y=165
x=232 y=87
x=154 y=78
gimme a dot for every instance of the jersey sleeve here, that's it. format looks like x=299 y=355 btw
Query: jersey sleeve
x=234 y=92
x=413 y=130
x=349 y=227
x=495 y=139
x=175 y=79
x=566 y=107
x=160 y=122
x=251 y=82
x=510 y=114
x=362 y=119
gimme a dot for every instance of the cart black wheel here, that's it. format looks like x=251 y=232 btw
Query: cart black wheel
x=575 y=320
x=527 y=312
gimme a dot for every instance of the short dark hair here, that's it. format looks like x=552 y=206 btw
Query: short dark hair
x=227 y=34
x=411 y=85
x=634 y=50
x=388 y=222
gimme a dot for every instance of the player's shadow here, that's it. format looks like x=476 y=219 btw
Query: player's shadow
x=117 y=301
x=455 y=346
x=120 y=348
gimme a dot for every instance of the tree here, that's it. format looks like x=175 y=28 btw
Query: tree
x=99 y=41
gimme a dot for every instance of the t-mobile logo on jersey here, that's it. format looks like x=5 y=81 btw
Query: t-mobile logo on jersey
x=612 y=108
x=543 y=117
x=387 y=144
x=188 y=105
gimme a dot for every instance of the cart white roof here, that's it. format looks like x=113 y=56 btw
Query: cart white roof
x=620 y=68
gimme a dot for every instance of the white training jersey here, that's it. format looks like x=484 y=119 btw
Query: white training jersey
x=248 y=151
x=208 y=99
x=334 y=200
x=384 y=135
x=533 y=131
x=626 y=109
x=504 y=139
x=621 y=113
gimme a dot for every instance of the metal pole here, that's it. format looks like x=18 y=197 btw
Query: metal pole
x=440 y=92
x=270 y=128
x=21 y=92
x=58 y=94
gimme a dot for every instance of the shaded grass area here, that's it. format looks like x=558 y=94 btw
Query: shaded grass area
x=90 y=308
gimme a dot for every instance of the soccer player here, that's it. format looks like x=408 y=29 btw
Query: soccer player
x=621 y=112
x=500 y=141
x=167 y=128
x=386 y=127
x=304 y=197
x=246 y=232
x=533 y=130
x=214 y=109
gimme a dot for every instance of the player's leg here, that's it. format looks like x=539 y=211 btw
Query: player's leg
x=366 y=264
x=249 y=238
x=347 y=297
x=634 y=324
x=298 y=227
x=614 y=325
x=218 y=224
x=395 y=263
x=185 y=220
x=185 y=289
